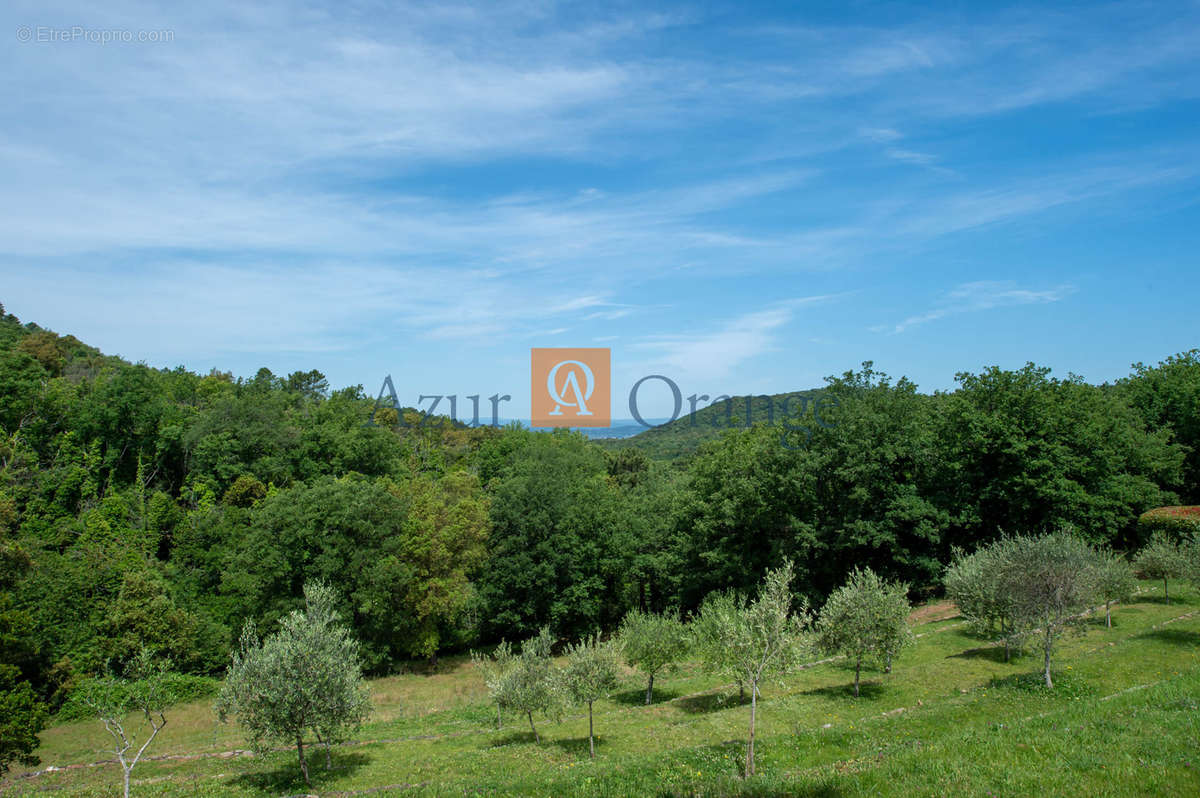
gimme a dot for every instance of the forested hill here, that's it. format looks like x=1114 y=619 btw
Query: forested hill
x=684 y=436
x=163 y=508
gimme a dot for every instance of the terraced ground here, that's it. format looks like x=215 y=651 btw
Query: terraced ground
x=952 y=719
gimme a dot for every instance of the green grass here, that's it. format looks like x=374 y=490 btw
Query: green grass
x=952 y=719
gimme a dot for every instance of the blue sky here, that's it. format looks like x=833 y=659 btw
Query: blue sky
x=745 y=197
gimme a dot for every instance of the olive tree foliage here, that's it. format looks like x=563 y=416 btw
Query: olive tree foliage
x=973 y=583
x=494 y=668
x=1052 y=580
x=1163 y=559
x=748 y=640
x=305 y=677
x=867 y=618
x=1115 y=581
x=705 y=636
x=590 y=674
x=143 y=693
x=1191 y=562
x=652 y=643
x=532 y=683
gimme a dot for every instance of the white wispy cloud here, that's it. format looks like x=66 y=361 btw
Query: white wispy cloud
x=715 y=352
x=978 y=296
x=308 y=163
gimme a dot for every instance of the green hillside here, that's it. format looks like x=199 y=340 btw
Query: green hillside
x=684 y=436
x=951 y=719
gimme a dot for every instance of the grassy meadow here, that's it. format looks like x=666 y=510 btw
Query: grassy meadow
x=952 y=719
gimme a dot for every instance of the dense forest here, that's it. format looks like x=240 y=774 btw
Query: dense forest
x=163 y=508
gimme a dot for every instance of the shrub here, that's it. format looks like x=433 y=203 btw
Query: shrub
x=1177 y=523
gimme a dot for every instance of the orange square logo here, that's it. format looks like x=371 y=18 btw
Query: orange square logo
x=571 y=387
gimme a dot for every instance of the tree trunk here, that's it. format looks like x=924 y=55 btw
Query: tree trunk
x=888 y=667
x=857 y=669
x=1046 y=661
x=1108 y=614
x=303 y=764
x=126 y=780
x=535 y=734
x=753 y=711
x=324 y=744
x=741 y=692
x=650 y=689
x=591 y=734
x=499 y=718
x=1166 y=595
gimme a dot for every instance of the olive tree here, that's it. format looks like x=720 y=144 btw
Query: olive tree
x=1161 y=558
x=304 y=677
x=591 y=674
x=533 y=684
x=114 y=700
x=865 y=618
x=1052 y=580
x=1115 y=581
x=705 y=636
x=752 y=639
x=972 y=582
x=494 y=668
x=652 y=643
x=1191 y=562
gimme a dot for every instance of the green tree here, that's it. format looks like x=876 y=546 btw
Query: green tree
x=114 y=700
x=245 y=491
x=1166 y=396
x=494 y=668
x=1022 y=450
x=718 y=611
x=22 y=716
x=143 y=615
x=745 y=505
x=1115 y=581
x=756 y=638
x=559 y=551
x=405 y=555
x=652 y=643
x=590 y=674
x=867 y=617
x=1052 y=580
x=1160 y=559
x=1191 y=561
x=973 y=583
x=304 y=677
x=532 y=684
x=443 y=542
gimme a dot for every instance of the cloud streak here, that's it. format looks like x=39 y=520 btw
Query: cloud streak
x=979 y=296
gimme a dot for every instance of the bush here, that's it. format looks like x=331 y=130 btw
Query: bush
x=178 y=687
x=1178 y=523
